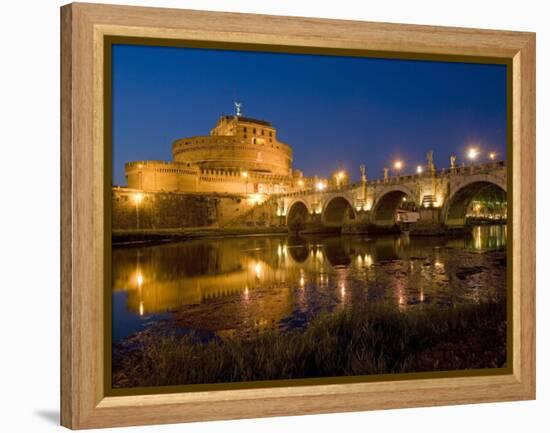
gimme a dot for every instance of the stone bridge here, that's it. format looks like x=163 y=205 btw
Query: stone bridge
x=440 y=198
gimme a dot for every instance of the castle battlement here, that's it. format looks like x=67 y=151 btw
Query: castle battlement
x=240 y=155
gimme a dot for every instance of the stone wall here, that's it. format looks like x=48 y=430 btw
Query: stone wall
x=188 y=178
x=134 y=209
x=162 y=176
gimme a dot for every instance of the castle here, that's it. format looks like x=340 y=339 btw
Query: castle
x=242 y=175
x=241 y=155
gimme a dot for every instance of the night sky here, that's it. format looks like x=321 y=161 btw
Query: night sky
x=336 y=112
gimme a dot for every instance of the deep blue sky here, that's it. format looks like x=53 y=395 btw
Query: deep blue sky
x=334 y=111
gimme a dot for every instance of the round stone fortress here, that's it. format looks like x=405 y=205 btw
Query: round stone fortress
x=241 y=155
x=237 y=143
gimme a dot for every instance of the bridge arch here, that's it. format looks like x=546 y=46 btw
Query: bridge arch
x=386 y=203
x=298 y=215
x=337 y=210
x=462 y=194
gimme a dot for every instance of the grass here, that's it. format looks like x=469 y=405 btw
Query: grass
x=358 y=341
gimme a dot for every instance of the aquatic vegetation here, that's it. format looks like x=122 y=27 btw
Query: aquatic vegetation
x=361 y=340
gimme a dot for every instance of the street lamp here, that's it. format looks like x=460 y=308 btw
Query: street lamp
x=492 y=156
x=245 y=175
x=397 y=166
x=473 y=153
x=138 y=197
x=320 y=185
x=419 y=169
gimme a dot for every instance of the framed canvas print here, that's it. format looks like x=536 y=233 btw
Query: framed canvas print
x=269 y=216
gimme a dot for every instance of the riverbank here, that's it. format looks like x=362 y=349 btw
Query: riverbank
x=365 y=340
x=156 y=236
x=129 y=237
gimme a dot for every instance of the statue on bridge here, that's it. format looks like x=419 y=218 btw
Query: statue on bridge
x=430 y=160
x=453 y=162
x=386 y=176
x=363 y=171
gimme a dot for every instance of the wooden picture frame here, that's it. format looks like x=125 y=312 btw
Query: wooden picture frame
x=84 y=28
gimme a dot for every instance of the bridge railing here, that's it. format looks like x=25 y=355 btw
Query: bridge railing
x=463 y=170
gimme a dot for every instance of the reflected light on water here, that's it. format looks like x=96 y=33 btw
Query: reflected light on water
x=258 y=270
x=229 y=283
x=139 y=279
x=368 y=260
x=302 y=279
x=343 y=290
x=477 y=238
x=319 y=255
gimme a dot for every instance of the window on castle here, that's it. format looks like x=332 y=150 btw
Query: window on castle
x=253 y=130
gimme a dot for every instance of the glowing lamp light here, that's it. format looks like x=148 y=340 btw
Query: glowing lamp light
x=300 y=183
x=320 y=186
x=492 y=156
x=398 y=165
x=139 y=279
x=138 y=197
x=244 y=174
x=419 y=169
x=340 y=176
x=473 y=153
x=256 y=198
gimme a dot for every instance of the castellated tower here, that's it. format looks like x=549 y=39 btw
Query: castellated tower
x=237 y=143
x=240 y=155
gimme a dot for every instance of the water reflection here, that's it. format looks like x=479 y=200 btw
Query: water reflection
x=244 y=285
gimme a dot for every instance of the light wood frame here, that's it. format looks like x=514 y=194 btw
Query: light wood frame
x=83 y=401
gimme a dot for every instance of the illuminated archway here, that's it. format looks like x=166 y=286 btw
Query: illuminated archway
x=337 y=212
x=384 y=212
x=297 y=216
x=456 y=209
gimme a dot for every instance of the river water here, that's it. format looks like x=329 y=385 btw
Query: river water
x=244 y=285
